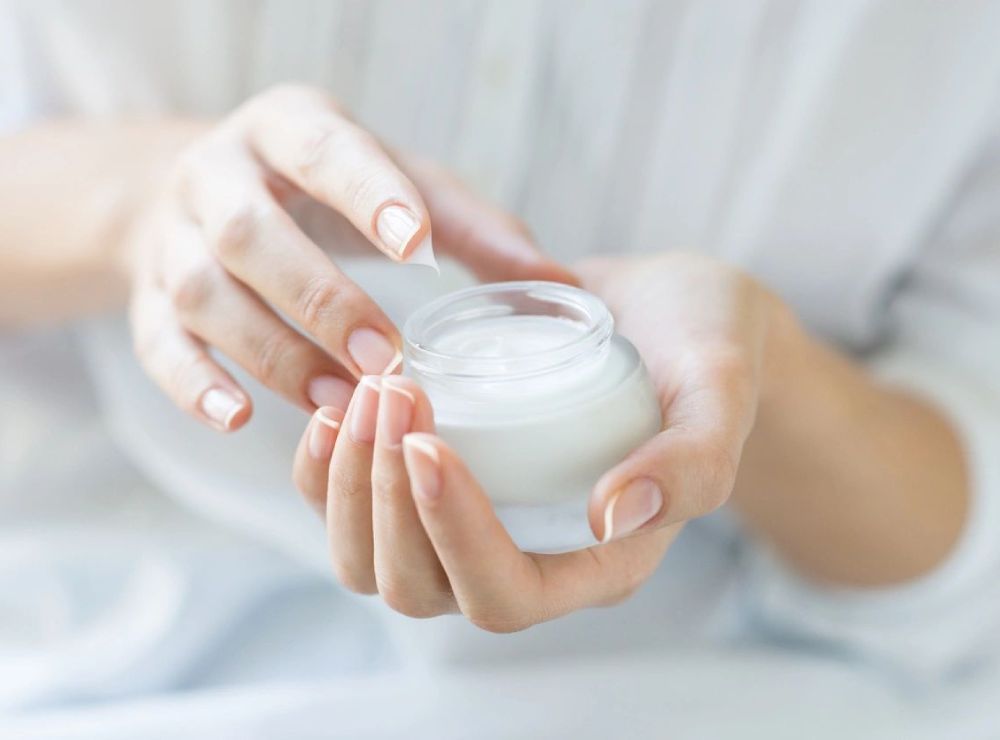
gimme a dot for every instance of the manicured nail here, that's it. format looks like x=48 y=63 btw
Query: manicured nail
x=221 y=407
x=396 y=226
x=631 y=507
x=395 y=410
x=323 y=432
x=424 y=467
x=364 y=409
x=373 y=352
x=327 y=390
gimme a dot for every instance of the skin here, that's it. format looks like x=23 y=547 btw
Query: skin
x=191 y=224
x=814 y=455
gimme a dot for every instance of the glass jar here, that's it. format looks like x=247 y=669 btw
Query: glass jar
x=533 y=389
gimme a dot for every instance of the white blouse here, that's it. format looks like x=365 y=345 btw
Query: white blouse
x=846 y=153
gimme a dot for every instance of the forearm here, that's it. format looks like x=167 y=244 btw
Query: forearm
x=68 y=193
x=854 y=483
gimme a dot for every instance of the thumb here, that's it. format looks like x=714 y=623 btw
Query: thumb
x=674 y=477
x=687 y=470
x=484 y=238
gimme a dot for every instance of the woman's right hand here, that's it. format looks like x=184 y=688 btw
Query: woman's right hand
x=216 y=261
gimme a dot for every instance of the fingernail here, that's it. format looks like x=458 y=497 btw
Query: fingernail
x=221 y=407
x=364 y=410
x=424 y=467
x=631 y=507
x=395 y=410
x=396 y=226
x=373 y=352
x=323 y=432
x=327 y=390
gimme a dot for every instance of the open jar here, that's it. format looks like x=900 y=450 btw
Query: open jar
x=533 y=389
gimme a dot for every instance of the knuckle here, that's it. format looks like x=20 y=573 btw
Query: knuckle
x=271 y=354
x=317 y=303
x=329 y=144
x=284 y=94
x=282 y=91
x=359 y=583
x=365 y=190
x=388 y=489
x=238 y=229
x=192 y=291
x=498 y=622
x=316 y=151
x=408 y=604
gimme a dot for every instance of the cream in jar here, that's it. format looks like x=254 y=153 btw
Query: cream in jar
x=533 y=389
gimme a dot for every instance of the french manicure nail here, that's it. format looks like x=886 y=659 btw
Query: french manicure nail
x=395 y=410
x=328 y=390
x=631 y=507
x=364 y=410
x=373 y=352
x=220 y=407
x=396 y=226
x=323 y=432
x=424 y=467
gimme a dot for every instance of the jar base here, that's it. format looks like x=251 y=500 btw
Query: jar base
x=548 y=529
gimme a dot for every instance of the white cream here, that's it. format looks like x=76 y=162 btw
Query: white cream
x=539 y=397
x=423 y=254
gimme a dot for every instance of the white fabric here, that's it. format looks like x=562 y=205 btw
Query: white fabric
x=844 y=152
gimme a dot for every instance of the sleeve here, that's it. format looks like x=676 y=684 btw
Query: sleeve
x=945 y=347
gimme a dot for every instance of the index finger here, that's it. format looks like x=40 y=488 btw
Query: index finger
x=301 y=134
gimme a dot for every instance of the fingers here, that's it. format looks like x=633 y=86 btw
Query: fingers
x=407 y=519
x=302 y=135
x=256 y=241
x=689 y=469
x=493 y=244
x=497 y=586
x=180 y=364
x=349 y=499
x=376 y=540
x=311 y=468
x=226 y=315
x=409 y=576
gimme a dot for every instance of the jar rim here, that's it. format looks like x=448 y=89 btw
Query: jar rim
x=501 y=299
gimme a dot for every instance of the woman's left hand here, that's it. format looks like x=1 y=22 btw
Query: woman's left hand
x=406 y=519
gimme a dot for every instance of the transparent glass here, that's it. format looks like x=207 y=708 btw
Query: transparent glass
x=532 y=387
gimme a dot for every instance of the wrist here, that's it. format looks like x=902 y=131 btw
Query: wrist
x=784 y=347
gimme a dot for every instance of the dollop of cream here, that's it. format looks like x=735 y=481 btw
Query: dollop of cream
x=506 y=337
x=423 y=254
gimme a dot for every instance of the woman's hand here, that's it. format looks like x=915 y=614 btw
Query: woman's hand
x=406 y=519
x=853 y=482
x=217 y=261
x=710 y=336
